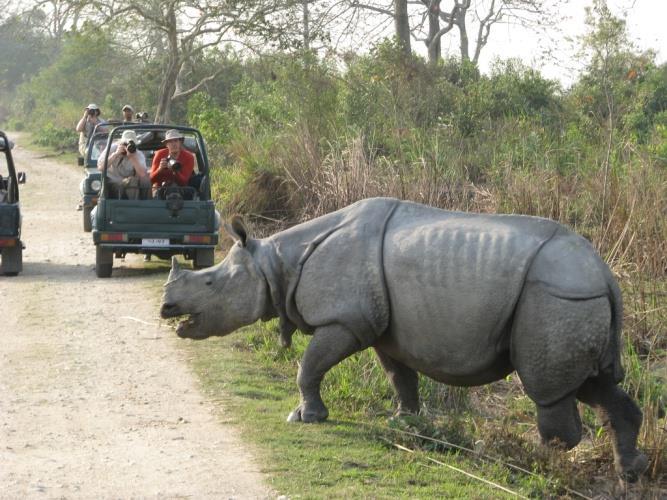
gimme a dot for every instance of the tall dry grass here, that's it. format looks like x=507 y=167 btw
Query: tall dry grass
x=622 y=212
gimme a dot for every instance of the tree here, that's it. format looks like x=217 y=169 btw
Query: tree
x=55 y=17
x=474 y=20
x=76 y=72
x=179 y=31
x=608 y=87
x=429 y=21
x=24 y=52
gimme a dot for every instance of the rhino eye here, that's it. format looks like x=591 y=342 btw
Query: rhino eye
x=209 y=282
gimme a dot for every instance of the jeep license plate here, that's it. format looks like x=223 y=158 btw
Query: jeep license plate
x=155 y=242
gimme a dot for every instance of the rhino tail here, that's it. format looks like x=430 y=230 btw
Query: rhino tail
x=615 y=346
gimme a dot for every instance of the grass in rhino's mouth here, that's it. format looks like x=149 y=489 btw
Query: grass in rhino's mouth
x=189 y=323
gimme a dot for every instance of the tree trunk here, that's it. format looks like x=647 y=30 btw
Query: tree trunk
x=306 y=26
x=464 y=43
x=166 y=92
x=402 y=24
x=433 y=41
x=173 y=66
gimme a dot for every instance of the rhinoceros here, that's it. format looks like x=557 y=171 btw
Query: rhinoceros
x=463 y=298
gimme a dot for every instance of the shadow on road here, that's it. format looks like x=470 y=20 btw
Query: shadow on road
x=65 y=273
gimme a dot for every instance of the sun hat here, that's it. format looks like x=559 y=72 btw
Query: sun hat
x=92 y=106
x=127 y=106
x=173 y=134
x=128 y=135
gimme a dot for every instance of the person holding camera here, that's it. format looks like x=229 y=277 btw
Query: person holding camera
x=86 y=126
x=142 y=117
x=173 y=165
x=127 y=170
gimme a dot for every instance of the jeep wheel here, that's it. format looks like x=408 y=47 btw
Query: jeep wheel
x=87 y=224
x=12 y=260
x=103 y=262
x=203 y=258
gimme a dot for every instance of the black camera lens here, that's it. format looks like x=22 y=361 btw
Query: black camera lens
x=131 y=147
x=173 y=164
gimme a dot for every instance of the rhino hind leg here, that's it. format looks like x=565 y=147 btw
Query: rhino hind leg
x=621 y=417
x=405 y=382
x=330 y=345
x=559 y=424
x=558 y=343
x=561 y=349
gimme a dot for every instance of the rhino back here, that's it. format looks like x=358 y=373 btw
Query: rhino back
x=453 y=280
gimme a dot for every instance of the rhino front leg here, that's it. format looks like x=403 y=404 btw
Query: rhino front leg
x=405 y=382
x=330 y=345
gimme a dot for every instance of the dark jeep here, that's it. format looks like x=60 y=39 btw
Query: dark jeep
x=11 y=245
x=172 y=221
x=92 y=180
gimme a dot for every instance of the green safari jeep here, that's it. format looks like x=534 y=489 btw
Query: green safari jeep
x=92 y=180
x=171 y=220
x=11 y=246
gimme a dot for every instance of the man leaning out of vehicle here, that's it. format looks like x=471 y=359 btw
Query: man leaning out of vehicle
x=173 y=165
x=127 y=170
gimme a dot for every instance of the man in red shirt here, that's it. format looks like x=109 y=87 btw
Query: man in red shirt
x=173 y=165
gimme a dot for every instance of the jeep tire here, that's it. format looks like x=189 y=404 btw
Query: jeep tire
x=103 y=262
x=87 y=223
x=204 y=257
x=12 y=260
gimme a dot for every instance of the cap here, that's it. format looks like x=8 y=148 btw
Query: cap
x=92 y=106
x=127 y=106
x=173 y=134
x=128 y=135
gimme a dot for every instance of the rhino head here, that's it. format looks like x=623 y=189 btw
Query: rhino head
x=219 y=299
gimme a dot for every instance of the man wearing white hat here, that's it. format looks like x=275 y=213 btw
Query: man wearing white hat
x=87 y=123
x=127 y=170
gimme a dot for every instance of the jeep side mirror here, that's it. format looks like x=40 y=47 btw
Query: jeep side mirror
x=79 y=161
x=21 y=177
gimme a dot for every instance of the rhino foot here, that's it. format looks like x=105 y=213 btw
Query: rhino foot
x=631 y=468
x=308 y=414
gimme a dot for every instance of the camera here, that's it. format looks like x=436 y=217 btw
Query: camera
x=130 y=147
x=173 y=164
x=92 y=112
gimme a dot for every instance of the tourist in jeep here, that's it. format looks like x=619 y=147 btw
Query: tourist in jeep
x=172 y=165
x=86 y=126
x=128 y=114
x=127 y=170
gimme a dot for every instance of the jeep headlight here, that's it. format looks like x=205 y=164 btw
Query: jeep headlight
x=95 y=184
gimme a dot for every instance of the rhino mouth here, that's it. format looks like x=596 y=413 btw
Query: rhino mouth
x=191 y=327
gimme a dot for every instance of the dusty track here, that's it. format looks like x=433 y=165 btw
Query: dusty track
x=96 y=401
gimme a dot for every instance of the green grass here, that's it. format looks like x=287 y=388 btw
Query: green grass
x=359 y=452
x=63 y=156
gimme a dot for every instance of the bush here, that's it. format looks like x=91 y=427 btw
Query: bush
x=64 y=139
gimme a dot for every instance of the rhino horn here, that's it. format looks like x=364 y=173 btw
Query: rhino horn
x=237 y=230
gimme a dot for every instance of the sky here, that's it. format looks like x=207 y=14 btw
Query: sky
x=645 y=20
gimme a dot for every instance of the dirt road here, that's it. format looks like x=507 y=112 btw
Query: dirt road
x=96 y=401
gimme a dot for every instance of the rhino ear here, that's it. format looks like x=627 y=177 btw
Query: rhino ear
x=238 y=230
x=175 y=269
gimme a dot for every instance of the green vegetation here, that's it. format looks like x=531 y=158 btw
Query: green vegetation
x=293 y=136
x=358 y=452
